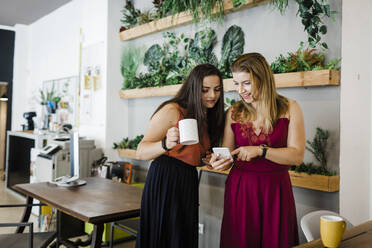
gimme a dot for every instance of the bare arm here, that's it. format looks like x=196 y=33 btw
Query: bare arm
x=161 y=125
x=293 y=154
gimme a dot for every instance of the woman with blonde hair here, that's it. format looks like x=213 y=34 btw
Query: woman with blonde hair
x=265 y=134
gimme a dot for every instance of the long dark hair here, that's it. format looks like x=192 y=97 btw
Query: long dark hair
x=189 y=97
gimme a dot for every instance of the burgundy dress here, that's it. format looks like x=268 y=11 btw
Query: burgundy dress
x=259 y=206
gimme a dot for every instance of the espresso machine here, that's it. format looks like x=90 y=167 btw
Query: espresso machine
x=29 y=121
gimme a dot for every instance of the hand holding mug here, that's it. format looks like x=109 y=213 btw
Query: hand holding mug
x=172 y=137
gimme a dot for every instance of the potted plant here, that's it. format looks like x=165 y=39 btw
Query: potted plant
x=127 y=147
x=313 y=176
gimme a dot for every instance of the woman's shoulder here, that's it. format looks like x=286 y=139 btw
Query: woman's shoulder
x=293 y=108
x=171 y=110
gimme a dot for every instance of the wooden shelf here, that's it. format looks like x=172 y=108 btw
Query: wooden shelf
x=303 y=180
x=179 y=19
x=316 y=182
x=283 y=80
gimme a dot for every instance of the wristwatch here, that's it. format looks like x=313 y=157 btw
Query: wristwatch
x=164 y=145
x=264 y=150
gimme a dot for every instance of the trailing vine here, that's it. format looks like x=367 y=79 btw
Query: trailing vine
x=312 y=13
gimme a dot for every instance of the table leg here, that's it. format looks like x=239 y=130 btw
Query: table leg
x=26 y=214
x=97 y=236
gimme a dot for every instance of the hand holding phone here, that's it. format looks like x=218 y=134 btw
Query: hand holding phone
x=221 y=158
x=223 y=152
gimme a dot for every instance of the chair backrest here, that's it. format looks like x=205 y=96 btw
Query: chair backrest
x=310 y=223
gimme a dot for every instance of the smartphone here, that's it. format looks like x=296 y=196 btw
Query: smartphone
x=224 y=152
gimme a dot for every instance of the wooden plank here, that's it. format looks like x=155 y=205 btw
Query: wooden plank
x=176 y=20
x=282 y=80
x=127 y=153
x=169 y=90
x=303 y=180
x=317 y=182
x=205 y=168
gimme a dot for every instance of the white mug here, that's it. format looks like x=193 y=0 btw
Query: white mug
x=188 y=131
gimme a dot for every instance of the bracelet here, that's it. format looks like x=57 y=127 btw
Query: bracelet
x=164 y=145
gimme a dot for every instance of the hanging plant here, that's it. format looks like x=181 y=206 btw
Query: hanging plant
x=311 y=12
x=232 y=48
x=198 y=9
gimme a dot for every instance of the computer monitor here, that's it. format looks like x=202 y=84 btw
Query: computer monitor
x=72 y=179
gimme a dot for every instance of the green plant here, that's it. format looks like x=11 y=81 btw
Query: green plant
x=229 y=102
x=310 y=168
x=201 y=47
x=232 y=47
x=311 y=12
x=198 y=9
x=130 y=15
x=162 y=8
x=131 y=58
x=127 y=143
x=171 y=62
x=318 y=147
x=48 y=96
x=302 y=60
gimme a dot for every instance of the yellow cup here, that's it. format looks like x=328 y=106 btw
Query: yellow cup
x=331 y=230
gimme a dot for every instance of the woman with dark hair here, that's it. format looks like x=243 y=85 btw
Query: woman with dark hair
x=265 y=132
x=169 y=208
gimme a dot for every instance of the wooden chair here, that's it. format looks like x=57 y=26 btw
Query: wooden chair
x=20 y=239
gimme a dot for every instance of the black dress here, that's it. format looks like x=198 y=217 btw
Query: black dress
x=169 y=207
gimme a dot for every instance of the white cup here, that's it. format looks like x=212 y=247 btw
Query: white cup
x=188 y=131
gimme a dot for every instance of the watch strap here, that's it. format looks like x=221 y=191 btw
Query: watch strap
x=164 y=145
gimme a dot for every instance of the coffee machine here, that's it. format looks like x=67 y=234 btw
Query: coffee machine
x=29 y=121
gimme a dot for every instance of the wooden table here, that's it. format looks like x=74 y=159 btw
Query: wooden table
x=98 y=202
x=356 y=237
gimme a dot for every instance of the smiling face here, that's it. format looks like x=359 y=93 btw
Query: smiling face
x=211 y=91
x=244 y=86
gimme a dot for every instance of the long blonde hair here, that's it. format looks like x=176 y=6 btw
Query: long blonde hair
x=270 y=104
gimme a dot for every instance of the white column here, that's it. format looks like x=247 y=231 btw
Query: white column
x=355 y=108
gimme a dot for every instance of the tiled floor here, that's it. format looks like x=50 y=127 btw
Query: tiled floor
x=14 y=214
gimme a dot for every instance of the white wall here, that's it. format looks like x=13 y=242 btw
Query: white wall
x=116 y=108
x=50 y=48
x=94 y=31
x=355 y=130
